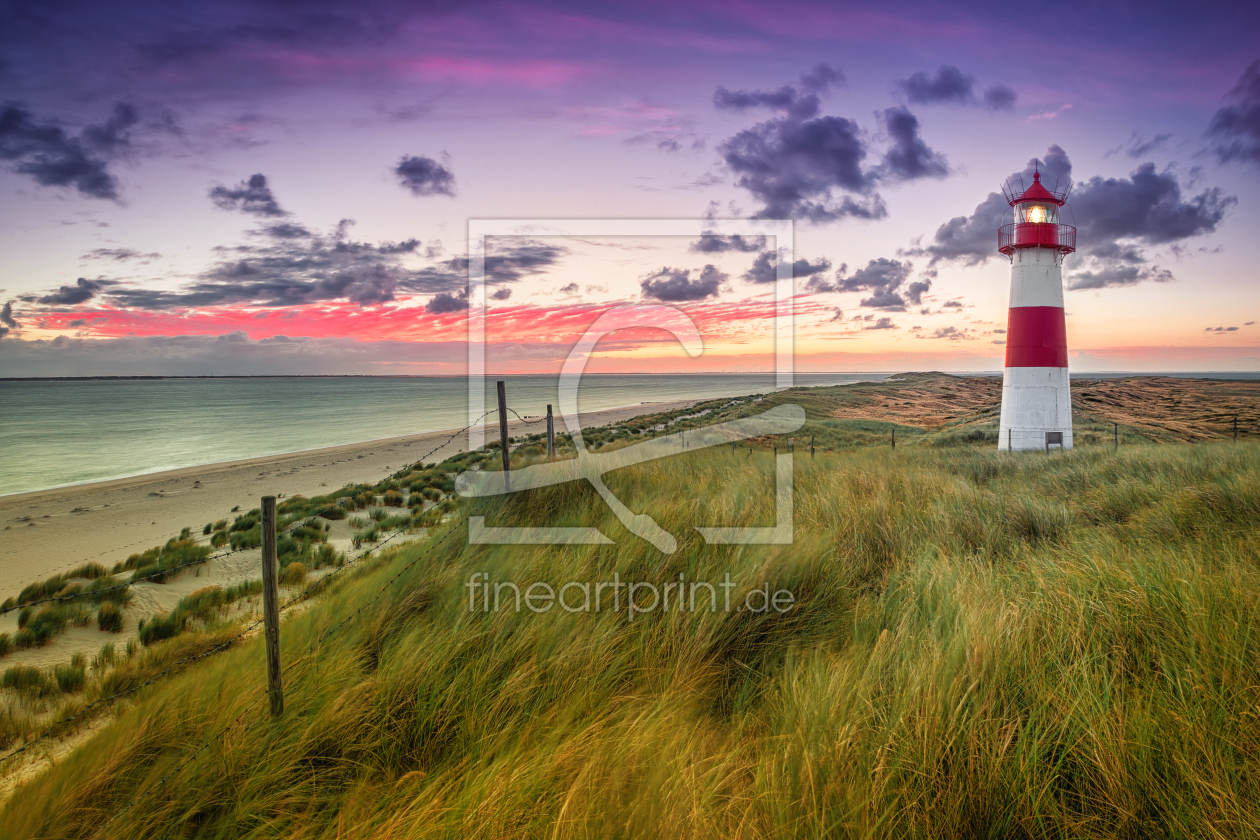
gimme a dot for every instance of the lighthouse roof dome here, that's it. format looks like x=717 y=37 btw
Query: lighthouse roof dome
x=1038 y=192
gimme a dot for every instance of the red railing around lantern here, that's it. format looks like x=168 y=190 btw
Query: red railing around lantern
x=1036 y=235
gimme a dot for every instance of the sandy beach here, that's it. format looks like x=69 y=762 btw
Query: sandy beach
x=48 y=531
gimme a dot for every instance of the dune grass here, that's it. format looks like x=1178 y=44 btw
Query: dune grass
x=981 y=645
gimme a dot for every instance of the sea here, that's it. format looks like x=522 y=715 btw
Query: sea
x=61 y=432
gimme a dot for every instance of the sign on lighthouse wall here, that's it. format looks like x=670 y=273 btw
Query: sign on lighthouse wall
x=1036 y=391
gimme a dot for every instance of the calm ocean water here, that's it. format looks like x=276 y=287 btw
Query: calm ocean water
x=54 y=433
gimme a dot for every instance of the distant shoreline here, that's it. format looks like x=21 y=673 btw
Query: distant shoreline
x=1192 y=374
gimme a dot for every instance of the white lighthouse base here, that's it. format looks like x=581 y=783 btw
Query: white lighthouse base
x=1035 y=400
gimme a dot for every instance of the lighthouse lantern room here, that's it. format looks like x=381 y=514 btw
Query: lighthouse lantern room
x=1036 y=392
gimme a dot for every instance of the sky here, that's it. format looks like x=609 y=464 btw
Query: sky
x=282 y=187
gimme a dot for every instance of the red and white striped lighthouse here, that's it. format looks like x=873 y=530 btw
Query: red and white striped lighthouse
x=1036 y=392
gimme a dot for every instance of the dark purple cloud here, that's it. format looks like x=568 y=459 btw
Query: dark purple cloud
x=505 y=262
x=950 y=86
x=445 y=302
x=7 y=322
x=1235 y=129
x=54 y=158
x=1147 y=207
x=284 y=230
x=765 y=268
x=82 y=290
x=800 y=163
x=425 y=176
x=884 y=278
x=118 y=254
x=720 y=244
x=909 y=157
x=1138 y=146
x=882 y=324
x=676 y=285
x=253 y=196
x=290 y=272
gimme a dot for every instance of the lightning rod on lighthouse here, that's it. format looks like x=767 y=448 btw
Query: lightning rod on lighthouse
x=1036 y=392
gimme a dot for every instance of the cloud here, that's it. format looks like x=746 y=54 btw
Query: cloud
x=284 y=230
x=822 y=78
x=786 y=98
x=505 y=261
x=425 y=176
x=1116 y=217
x=118 y=254
x=950 y=86
x=7 y=322
x=501 y=294
x=1220 y=329
x=570 y=289
x=951 y=334
x=252 y=196
x=1137 y=147
x=53 y=158
x=883 y=277
x=799 y=163
x=446 y=302
x=82 y=290
x=1119 y=215
x=909 y=157
x=674 y=285
x=1049 y=115
x=999 y=98
x=1235 y=129
x=764 y=268
x=1104 y=275
x=289 y=272
x=1146 y=206
x=714 y=244
x=792 y=167
x=882 y=324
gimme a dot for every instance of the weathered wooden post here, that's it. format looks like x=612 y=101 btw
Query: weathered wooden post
x=271 y=610
x=503 y=436
x=551 y=434
x=1116 y=431
x=894 y=438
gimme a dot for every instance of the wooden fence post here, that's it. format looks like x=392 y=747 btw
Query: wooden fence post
x=1116 y=431
x=503 y=437
x=894 y=438
x=551 y=434
x=271 y=611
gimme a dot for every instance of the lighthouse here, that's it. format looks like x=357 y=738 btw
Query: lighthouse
x=1036 y=392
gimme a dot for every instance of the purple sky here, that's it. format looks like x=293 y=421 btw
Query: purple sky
x=177 y=176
